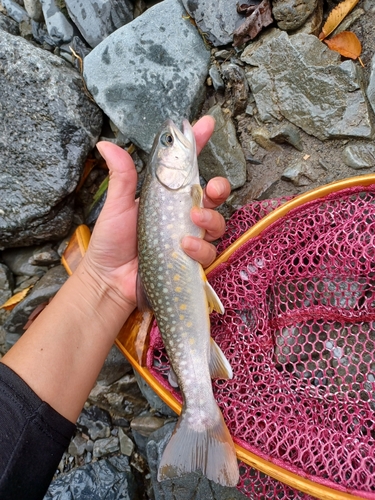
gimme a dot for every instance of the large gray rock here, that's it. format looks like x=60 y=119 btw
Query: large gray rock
x=42 y=292
x=150 y=69
x=315 y=91
x=47 y=127
x=223 y=155
x=193 y=485
x=110 y=478
x=217 y=22
x=98 y=19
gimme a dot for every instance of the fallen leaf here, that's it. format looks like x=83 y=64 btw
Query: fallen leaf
x=16 y=299
x=306 y=157
x=76 y=248
x=345 y=43
x=336 y=16
x=245 y=9
x=253 y=24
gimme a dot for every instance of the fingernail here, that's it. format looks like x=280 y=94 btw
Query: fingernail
x=191 y=244
x=220 y=187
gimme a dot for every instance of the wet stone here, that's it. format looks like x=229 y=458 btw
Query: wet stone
x=223 y=155
x=291 y=14
x=361 y=156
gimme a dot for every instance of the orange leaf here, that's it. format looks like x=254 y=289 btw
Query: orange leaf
x=336 y=16
x=345 y=43
x=76 y=248
x=16 y=299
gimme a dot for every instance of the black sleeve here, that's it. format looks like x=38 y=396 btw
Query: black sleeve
x=33 y=438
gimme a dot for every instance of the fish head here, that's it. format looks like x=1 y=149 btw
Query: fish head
x=173 y=159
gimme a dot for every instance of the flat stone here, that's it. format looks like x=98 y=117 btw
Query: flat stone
x=7 y=24
x=98 y=19
x=146 y=424
x=315 y=91
x=77 y=446
x=291 y=14
x=149 y=70
x=105 y=446
x=34 y=10
x=223 y=155
x=59 y=27
x=110 y=478
x=42 y=292
x=357 y=157
x=126 y=444
x=15 y=11
x=216 y=23
x=215 y=75
x=286 y=132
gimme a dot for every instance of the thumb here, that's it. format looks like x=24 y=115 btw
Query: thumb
x=122 y=174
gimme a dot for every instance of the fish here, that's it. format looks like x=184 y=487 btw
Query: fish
x=175 y=287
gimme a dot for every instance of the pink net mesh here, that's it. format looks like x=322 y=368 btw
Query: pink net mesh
x=299 y=332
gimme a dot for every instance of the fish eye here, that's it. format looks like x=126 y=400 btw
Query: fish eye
x=167 y=139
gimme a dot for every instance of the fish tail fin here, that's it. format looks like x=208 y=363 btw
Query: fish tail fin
x=209 y=448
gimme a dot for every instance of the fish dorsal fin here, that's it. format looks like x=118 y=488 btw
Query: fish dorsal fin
x=219 y=365
x=143 y=303
x=197 y=195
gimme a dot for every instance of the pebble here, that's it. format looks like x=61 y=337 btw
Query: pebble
x=15 y=11
x=105 y=446
x=77 y=446
x=217 y=81
x=357 y=157
x=126 y=444
x=288 y=133
x=146 y=424
x=291 y=14
x=59 y=28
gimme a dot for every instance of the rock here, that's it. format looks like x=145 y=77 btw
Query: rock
x=6 y=283
x=146 y=424
x=44 y=256
x=115 y=367
x=237 y=87
x=291 y=14
x=59 y=28
x=313 y=24
x=350 y=19
x=105 y=446
x=110 y=478
x=261 y=136
x=299 y=174
x=223 y=155
x=19 y=261
x=166 y=66
x=42 y=292
x=286 y=132
x=217 y=21
x=126 y=444
x=314 y=90
x=192 y=485
x=371 y=86
x=215 y=75
x=44 y=107
x=7 y=24
x=34 y=10
x=152 y=398
x=15 y=11
x=361 y=156
x=98 y=19
x=95 y=422
x=77 y=446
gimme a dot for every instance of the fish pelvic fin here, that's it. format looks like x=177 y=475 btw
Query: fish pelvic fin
x=197 y=195
x=219 y=365
x=192 y=448
x=214 y=303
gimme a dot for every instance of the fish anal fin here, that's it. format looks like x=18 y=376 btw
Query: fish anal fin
x=210 y=450
x=143 y=303
x=219 y=365
x=197 y=195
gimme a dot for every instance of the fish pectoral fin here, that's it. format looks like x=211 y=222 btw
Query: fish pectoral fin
x=172 y=378
x=219 y=365
x=197 y=195
x=214 y=303
x=209 y=449
x=143 y=303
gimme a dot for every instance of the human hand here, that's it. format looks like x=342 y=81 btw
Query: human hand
x=111 y=258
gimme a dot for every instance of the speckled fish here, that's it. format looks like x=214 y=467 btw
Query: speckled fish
x=176 y=289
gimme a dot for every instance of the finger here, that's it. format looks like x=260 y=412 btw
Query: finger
x=203 y=130
x=122 y=174
x=209 y=220
x=199 y=250
x=216 y=192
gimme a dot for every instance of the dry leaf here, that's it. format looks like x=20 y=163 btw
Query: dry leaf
x=336 y=16
x=16 y=299
x=253 y=24
x=76 y=248
x=345 y=43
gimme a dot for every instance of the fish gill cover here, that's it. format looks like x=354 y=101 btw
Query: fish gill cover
x=299 y=333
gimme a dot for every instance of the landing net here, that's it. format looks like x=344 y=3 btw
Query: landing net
x=299 y=332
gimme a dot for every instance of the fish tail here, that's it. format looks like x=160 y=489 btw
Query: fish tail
x=209 y=449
